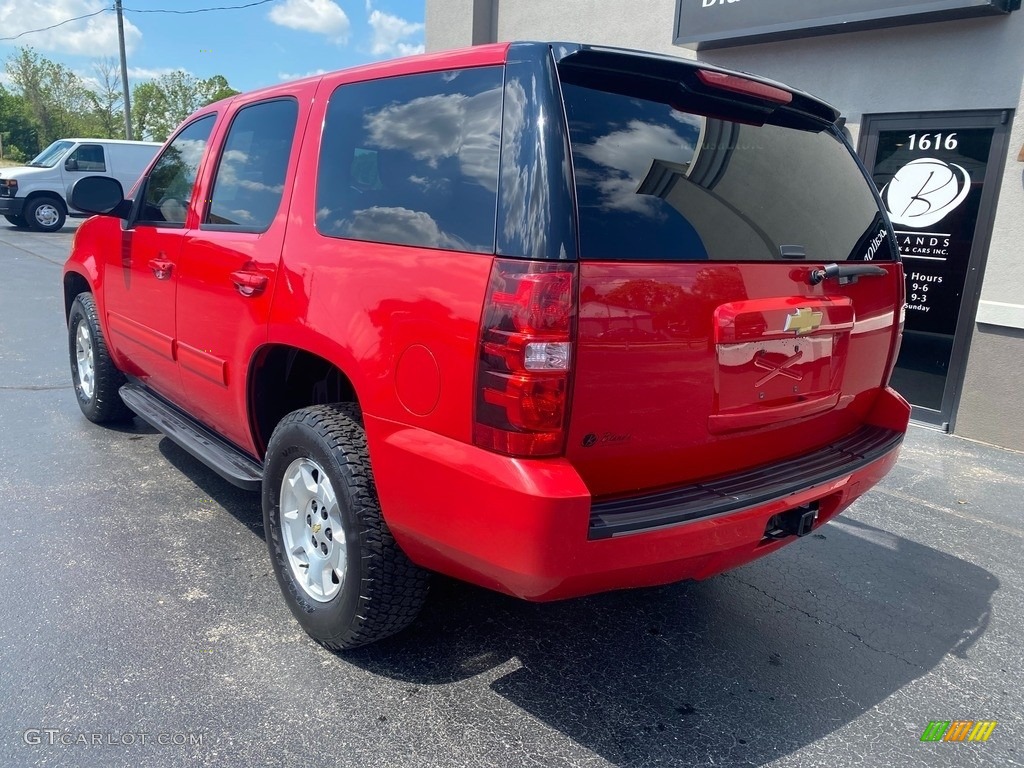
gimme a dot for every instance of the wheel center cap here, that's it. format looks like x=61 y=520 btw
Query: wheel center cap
x=316 y=527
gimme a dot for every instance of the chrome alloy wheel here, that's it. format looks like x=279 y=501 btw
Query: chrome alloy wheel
x=47 y=215
x=86 y=364
x=311 y=529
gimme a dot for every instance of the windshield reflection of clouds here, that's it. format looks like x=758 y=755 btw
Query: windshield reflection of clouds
x=433 y=128
x=391 y=225
x=233 y=196
x=625 y=155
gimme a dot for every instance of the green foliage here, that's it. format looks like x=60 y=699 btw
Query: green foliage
x=55 y=98
x=49 y=101
x=16 y=130
x=160 y=105
x=12 y=153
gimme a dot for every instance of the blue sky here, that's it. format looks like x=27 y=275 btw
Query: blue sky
x=251 y=47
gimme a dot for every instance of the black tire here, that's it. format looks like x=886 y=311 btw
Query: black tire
x=99 y=400
x=45 y=213
x=18 y=221
x=381 y=591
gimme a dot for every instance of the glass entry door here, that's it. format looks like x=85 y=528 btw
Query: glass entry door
x=938 y=175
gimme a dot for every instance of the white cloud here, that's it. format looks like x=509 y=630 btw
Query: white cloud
x=291 y=76
x=624 y=157
x=390 y=34
x=432 y=128
x=144 y=73
x=94 y=36
x=324 y=17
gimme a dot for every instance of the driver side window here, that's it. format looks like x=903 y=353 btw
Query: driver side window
x=170 y=183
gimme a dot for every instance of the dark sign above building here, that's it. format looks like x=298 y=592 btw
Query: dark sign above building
x=718 y=23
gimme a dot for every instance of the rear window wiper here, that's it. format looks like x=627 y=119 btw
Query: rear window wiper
x=846 y=273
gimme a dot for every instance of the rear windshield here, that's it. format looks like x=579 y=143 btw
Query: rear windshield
x=655 y=183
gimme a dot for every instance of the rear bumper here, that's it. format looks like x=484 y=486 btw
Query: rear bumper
x=11 y=206
x=526 y=527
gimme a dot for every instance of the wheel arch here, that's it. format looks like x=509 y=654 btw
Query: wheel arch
x=47 y=193
x=74 y=284
x=283 y=378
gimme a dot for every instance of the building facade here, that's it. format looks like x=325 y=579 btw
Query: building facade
x=932 y=92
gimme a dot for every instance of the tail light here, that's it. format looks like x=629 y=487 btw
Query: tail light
x=743 y=86
x=525 y=358
x=900 y=322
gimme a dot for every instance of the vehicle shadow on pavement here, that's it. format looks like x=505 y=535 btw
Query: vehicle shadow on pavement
x=244 y=506
x=740 y=669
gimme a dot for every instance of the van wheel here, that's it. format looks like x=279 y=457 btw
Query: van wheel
x=94 y=374
x=342 y=574
x=18 y=221
x=45 y=214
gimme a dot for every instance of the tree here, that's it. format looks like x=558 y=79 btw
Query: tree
x=147 y=112
x=106 y=99
x=18 y=135
x=160 y=105
x=217 y=88
x=55 y=97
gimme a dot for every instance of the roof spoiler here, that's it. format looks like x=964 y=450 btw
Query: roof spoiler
x=696 y=78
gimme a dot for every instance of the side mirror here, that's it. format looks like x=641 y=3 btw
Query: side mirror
x=100 y=194
x=71 y=164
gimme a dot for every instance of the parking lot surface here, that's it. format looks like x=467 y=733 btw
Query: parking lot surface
x=140 y=623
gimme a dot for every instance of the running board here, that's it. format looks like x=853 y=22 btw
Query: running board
x=220 y=456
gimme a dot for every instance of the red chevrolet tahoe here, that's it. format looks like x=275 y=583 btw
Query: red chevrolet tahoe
x=550 y=318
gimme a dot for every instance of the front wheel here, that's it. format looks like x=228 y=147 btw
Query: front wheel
x=96 y=378
x=342 y=574
x=45 y=214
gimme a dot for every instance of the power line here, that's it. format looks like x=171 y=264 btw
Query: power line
x=198 y=10
x=137 y=10
x=58 y=24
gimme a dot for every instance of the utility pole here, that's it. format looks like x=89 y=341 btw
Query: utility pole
x=124 y=73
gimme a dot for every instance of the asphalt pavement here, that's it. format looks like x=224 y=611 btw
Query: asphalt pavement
x=140 y=623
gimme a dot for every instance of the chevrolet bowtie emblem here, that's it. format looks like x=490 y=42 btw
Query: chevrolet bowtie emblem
x=803 y=321
x=316 y=528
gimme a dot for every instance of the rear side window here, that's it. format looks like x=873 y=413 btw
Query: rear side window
x=658 y=183
x=413 y=160
x=250 y=177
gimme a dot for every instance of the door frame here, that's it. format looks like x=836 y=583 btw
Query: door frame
x=999 y=120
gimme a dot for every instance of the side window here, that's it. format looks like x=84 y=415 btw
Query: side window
x=88 y=157
x=413 y=160
x=250 y=177
x=170 y=183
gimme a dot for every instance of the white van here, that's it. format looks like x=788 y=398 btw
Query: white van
x=36 y=195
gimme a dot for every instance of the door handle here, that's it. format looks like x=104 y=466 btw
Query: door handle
x=161 y=268
x=249 y=283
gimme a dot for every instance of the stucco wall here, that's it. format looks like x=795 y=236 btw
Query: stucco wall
x=990 y=408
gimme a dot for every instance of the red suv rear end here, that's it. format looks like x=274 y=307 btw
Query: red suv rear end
x=553 y=319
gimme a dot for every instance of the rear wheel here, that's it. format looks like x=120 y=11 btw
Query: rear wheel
x=18 y=221
x=45 y=214
x=96 y=378
x=342 y=574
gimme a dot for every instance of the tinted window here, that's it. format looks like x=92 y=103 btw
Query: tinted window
x=657 y=183
x=250 y=178
x=413 y=160
x=88 y=157
x=170 y=183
